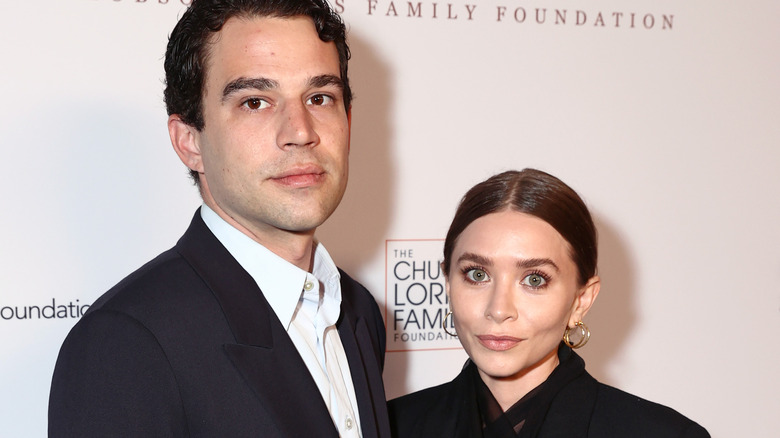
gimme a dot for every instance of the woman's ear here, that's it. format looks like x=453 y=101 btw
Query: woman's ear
x=446 y=276
x=584 y=300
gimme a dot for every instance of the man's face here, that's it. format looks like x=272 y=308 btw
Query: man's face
x=274 y=149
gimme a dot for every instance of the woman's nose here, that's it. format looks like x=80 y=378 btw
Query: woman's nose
x=502 y=305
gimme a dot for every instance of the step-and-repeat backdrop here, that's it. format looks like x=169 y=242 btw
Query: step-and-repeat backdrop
x=663 y=114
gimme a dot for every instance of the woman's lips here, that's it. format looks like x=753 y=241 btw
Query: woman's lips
x=498 y=343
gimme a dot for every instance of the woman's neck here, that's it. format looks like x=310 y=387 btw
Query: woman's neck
x=508 y=390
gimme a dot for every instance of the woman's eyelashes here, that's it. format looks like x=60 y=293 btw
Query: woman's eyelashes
x=535 y=280
x=477 y=275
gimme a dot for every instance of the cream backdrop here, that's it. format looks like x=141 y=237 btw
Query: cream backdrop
x=663 y=114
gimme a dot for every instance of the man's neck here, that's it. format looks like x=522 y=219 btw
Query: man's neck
x=296 y=247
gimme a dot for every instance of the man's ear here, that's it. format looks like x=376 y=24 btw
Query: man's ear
x=184 y=139
x=349 y=128
x=584 y=300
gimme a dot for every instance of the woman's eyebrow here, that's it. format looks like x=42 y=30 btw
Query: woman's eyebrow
x=535 y=263
x=475 y=258
x=521 y=263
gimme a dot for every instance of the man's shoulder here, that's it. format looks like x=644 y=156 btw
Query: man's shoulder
x=160 y=280
x=166 y=300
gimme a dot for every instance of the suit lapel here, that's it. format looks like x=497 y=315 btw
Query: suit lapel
x=364 y=366
x=454 y=413
x=572 y=409
x=284 y=386
x=263 y=352
x=354 y=341
x=468 y=421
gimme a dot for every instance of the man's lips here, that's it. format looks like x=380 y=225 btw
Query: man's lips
x=498 y=342
x=302 y=176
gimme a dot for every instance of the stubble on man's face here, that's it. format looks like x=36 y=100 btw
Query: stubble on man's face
x=275 y=144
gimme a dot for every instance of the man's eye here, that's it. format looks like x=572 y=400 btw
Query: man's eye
x=477 y=275
x=320 y=99
x=534 y=280
x=255 y=103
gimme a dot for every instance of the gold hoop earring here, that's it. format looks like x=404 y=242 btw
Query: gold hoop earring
x=444 y=324
x=584 y=332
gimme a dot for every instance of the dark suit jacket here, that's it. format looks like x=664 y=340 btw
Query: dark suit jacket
x=189 y=346
x=584 y=408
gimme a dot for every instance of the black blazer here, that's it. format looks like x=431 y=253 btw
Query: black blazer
x=188 y=346
x=584 y=408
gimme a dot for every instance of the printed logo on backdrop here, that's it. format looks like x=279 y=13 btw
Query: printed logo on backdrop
x=415 y=299
x=503 y=12
x=587 y=15
x=153 y=2
x=42 y=311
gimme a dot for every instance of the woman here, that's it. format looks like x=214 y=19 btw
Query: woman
x=520 y=269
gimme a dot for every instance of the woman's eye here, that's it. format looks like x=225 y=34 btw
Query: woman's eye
x=255 y=103
x=320 y=99
x=477 y=275
x=534 y=280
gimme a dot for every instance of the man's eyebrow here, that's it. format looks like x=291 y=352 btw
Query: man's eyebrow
x=326 y=80
x=259 y=84
x=263 y=84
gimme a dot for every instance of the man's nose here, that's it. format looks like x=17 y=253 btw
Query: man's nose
x=296 y=127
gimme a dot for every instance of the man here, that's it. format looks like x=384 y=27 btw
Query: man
x=245 y=327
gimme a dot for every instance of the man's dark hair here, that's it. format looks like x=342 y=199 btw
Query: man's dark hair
x=188 y=47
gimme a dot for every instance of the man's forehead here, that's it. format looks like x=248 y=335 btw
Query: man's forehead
x=246 y=24
x=243 y=40
x=274 y=51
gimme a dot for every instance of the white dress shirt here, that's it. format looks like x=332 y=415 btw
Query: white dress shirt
x=308 y=304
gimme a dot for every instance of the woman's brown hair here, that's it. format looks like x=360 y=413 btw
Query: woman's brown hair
x=538 y=194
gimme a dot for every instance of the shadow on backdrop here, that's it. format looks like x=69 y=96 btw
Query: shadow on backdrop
x=356 y=231
x=613 y=315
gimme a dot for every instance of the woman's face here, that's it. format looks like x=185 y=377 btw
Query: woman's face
x=513 y=290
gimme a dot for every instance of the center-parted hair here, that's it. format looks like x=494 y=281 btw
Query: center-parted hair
x=188 y=50
x=538 y=194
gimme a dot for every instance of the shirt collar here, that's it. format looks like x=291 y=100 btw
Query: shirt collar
x=280 y=281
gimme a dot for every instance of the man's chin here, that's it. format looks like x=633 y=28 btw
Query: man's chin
x=304 y=224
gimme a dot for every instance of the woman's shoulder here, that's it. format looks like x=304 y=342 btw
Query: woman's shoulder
x=422 y=398
x=423 y=404
x=618 y=413
x=414 y=414
x=435 y=411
